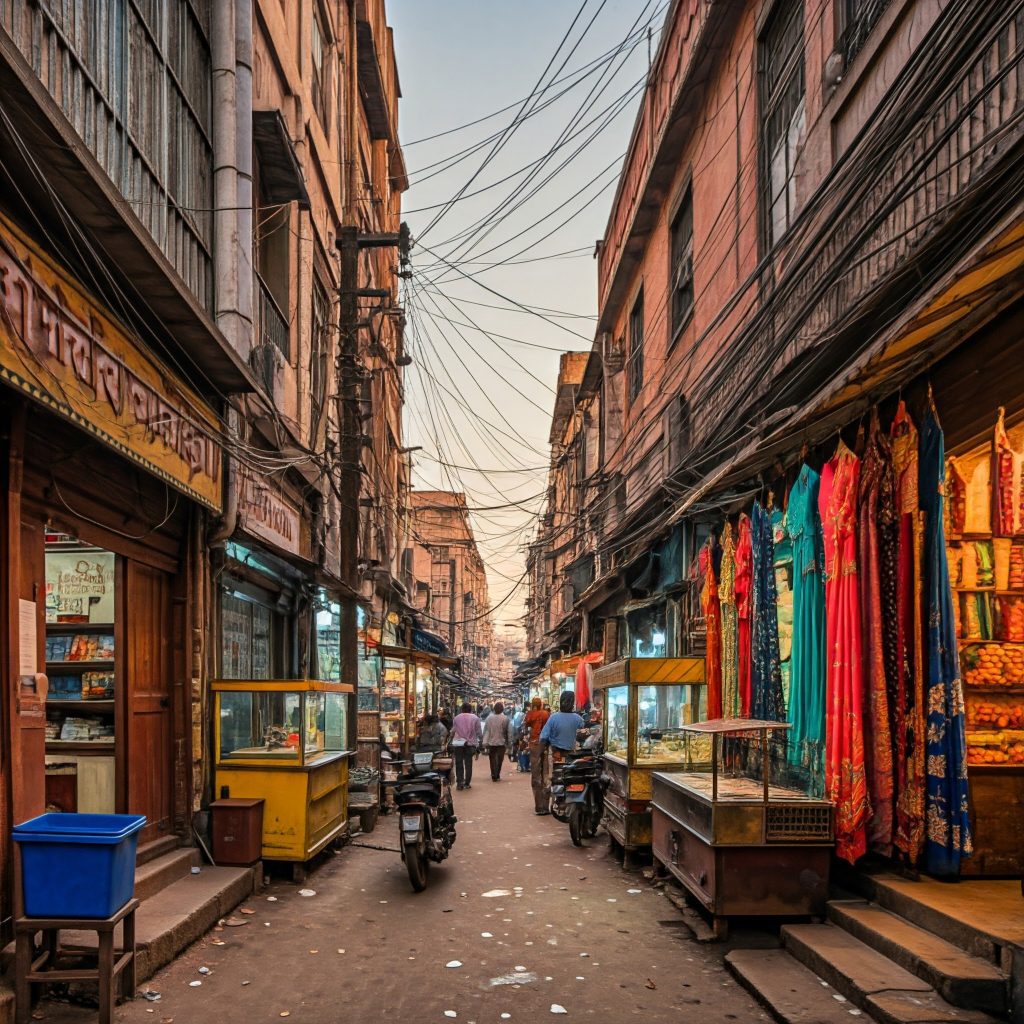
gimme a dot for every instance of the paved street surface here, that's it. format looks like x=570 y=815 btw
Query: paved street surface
x=571 y=929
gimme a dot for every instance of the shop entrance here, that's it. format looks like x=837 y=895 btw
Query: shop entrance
x=109 y=744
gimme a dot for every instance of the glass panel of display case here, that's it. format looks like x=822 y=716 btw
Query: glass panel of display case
x=335 y=721
x=315 y=709
x=617 y=714
x=661 y=712
x=256 y=724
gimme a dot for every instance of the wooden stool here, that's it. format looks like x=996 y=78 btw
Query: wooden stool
x=32 y=969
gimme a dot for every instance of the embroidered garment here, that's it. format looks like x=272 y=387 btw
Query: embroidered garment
x=875 y=465
x=783 y=563
x=766 y=700
x=727 y=604
x=845 y=782
x=908 y=835
x=948 y=830
x=744 y=590
x=713 y=630
x=807 y=692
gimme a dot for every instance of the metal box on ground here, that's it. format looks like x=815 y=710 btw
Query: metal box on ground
x=237 y=827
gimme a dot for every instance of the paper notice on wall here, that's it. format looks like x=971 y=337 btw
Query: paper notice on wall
x=28 y=639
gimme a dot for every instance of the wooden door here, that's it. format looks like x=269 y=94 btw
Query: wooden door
x=148 y=758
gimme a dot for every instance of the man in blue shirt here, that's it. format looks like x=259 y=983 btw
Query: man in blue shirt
x=560 y=729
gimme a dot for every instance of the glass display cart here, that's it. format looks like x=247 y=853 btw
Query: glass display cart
x=738 y=827
x=643 y=702
x=285 y=741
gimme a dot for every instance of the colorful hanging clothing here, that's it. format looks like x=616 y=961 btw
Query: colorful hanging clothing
x=807 y=692
x=908 y=733
x=710 y=608
x=727 y=604
x=766 y=700
x=744 y=590
x=875 y=466
x=1002 y=475
x=948 y=827
x=783 y=563
x=845 y=781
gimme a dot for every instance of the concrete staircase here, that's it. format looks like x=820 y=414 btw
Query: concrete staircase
x=866 y=960
x=178 y=907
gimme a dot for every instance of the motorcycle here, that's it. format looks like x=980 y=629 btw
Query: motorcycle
x=426 y=814
x=578 y=785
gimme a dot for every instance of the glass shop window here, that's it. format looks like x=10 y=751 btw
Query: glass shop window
x=617 y=714
x=247 y=638
x=260 y=724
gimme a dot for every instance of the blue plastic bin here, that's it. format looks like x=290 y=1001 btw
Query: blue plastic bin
x=78 y=865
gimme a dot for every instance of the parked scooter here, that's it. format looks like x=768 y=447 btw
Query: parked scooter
x=578 y=784
x=426 y=815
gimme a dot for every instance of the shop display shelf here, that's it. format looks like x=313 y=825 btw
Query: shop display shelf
x=101 y=704
x=80 y=627
x=79 y=746
x=83 y=664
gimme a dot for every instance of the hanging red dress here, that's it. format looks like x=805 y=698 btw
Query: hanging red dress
x=845 y=776
x=713 y=631
x=743 y=589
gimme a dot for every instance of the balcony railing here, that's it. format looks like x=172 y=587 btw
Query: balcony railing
x=273 y=324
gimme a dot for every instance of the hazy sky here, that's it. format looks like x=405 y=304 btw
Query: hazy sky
x=475 y=400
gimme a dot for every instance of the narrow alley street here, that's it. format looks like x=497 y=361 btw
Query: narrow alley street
x=570 y=928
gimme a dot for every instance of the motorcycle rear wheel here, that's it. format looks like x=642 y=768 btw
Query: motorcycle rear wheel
x=576 y=824
x=595 y=812
x=418 y=866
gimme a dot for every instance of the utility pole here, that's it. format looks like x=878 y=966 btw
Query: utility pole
x=350 y=477
x=451 y=603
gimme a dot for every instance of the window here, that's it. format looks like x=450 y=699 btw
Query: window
x=859 y=18
x=682 y=263
x=440 y=553
x=636 y=347
x=318 y=86
x=318 y=354
x=782 y=115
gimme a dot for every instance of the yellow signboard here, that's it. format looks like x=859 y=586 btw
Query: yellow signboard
x=66 y=351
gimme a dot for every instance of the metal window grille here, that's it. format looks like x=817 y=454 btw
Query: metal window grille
x=782 y=105
x=682 y=263
x=318 y=85
x=318 y=354
x=859 y=18
x=636 y=348
x=273 y=323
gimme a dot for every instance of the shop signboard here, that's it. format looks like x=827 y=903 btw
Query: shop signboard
x=265 y=513
x=60 y=346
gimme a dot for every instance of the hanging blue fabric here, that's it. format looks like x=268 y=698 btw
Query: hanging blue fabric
x=947 y=826
x=766 y=699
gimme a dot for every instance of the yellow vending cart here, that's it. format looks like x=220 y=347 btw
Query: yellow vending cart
x=285 y=741
x=644 y=702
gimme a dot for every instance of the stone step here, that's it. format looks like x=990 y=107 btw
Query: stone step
x=870 y=980
x=155 y=848
x=178 y=915
x=958 y=977
x=787 y=989
x=155 y=875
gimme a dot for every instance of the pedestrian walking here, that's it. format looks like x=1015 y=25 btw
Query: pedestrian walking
x=467 y=733
x=496 y=739
x=539 y=759
x=520 y=752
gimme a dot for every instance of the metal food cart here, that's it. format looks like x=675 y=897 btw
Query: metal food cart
x=285 y=741
x=643 y=701
x=739 y=827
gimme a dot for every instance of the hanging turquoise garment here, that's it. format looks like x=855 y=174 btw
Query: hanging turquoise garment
x=947 y=827
x=766 y=700
x=807 y=686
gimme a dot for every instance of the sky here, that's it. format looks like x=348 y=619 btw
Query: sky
x=529 y=188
